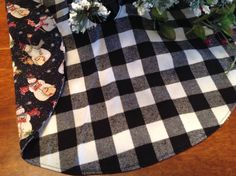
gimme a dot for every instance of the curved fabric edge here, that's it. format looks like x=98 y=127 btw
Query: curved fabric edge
x=77 y=171
x=38 y=56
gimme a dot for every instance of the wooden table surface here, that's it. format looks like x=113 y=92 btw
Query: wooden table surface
x=215 y=156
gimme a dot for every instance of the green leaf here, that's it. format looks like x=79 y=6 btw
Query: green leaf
x=159 y=16
x=227 y=30
x=167 y=32
x=199 y=31
x=226 y=10
x=232 y=8
x=209 y=2
x=226 y=21
x=232 y=18
x=225 y=25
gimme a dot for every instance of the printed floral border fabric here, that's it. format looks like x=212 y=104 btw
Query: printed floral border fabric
x=38 y=64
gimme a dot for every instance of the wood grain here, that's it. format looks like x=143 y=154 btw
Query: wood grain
x=214 y=157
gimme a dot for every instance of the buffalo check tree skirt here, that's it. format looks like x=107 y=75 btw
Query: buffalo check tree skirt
x=127 y=99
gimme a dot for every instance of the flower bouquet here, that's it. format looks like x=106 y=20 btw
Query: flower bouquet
x=217 y=15
x=85 y=13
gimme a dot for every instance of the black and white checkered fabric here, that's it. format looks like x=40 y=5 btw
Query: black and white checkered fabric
x=132 y=98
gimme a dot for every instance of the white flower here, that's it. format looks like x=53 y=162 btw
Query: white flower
x=84 y=3
x=142 y=7
x=79 y=17
x=197 y=11
x=214 y=2
x=76 y=6
x=206 y=9
x=73 y=14
x=141 y=10
x=102 y=11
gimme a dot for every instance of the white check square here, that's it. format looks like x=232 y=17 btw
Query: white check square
x=123 y=141
x=135 y=68
x=127 y=38
x=232 y=77
x=72 y=57
x=219 y=52
x=221 y=113
x=51 y=127
x=193 y=56
x=82 y=116
x=87 y=152
x=188 y=13
x=180 y=34
x=176 y=90
x=51 y=161
x=206 y=84
x=61 y=13
x=77 y=85
x=153 y=36
x=64 y=28
x=170 y=17
x=106 y=76
x=165 y=61
x=190 y=122
x=157 y=131
x=114 y=106
x=99 y=47
x=145 y=98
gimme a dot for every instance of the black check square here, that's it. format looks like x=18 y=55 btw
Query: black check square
x=214 y=67
x=167 y=109
x=109 y=28
x=183 y=23
x=210 y=130
x=125 y=86
x=175 y=12
x=146 y=155
x=101 y=129
x=228 y=94
x=180 y=143
x=197 y=43
x=69 y=1
x=172 y=46
x=32 y=150
x=76 y=170
x=184 y=73
x=155 y=79
x=89 y=67
x=122 y=2
x=110 y=165
x=81 y=39
x=136 y=22
x=64 y=105
x=146 y=50
x=52 y=9
x=117 y=57
x=95 y=96
x=134 y=118
x=70 y=137
x=198 y=102
x=180 y=18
